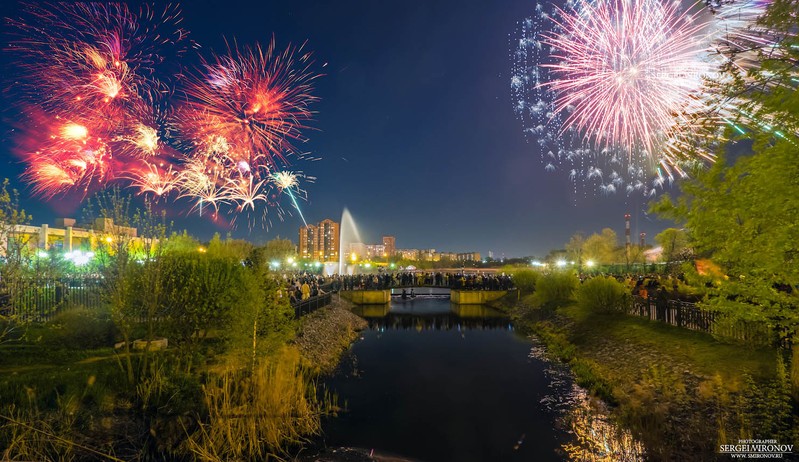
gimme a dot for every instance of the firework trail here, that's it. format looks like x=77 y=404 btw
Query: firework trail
x=245 y=112
x=286 y=182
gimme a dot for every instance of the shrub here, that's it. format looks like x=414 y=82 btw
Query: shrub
x=525 y=280
x=555 y=289
x=81 y=328
x=603 y=295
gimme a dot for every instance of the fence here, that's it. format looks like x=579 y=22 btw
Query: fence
x=690 y=316
x=312 y=304
x=39 y=299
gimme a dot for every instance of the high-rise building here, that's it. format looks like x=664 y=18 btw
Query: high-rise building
x=390 y=246
x=307 y=247
x=328 y=240
x=320 y=242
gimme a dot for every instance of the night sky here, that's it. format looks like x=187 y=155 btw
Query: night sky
x=415 y=128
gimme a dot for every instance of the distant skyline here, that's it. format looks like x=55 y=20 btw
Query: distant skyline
x=415 y=129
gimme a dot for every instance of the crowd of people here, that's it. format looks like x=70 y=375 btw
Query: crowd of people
x=304 y=286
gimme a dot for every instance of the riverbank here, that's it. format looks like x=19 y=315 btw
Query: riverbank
x=679 y=392
x=327 y=333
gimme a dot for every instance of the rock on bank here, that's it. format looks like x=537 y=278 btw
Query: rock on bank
x=327 y=333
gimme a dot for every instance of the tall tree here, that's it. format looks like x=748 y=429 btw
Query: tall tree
x=741 y=212
x=674 y=243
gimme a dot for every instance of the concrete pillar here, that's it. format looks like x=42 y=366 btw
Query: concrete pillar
x=43 y=237
x=68 y=239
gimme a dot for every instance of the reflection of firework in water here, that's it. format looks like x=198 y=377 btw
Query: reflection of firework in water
x=612 y=91
x=100 y=78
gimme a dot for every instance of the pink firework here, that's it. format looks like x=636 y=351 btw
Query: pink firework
x=625 y=70
x=254 y=101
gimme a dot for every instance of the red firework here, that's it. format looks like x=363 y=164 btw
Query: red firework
x=257 y=101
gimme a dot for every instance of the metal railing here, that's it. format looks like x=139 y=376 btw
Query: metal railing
x=40 y=299
x=690 y=316
x=312 y=304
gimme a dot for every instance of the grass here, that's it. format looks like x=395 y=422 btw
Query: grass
x=680 y=392
x=700 y=352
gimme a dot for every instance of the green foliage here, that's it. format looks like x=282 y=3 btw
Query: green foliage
x=199 y=292
x=601 y=249
x=603 y=295
x=741 y=212
x=525 y=280
x=277 y=250
x=80 y=328
x=555 y=289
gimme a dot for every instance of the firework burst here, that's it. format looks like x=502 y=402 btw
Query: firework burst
x=253 y=100
x=615 y=92
x=624 y=69
x=97 y=83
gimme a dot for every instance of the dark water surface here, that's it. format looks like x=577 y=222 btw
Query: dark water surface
x=438 y=382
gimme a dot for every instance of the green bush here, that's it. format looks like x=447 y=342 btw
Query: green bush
x=603 y=295
x=555 y=289
x=525 y=280
x=80 y=328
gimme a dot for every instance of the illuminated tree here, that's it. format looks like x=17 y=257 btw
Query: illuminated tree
x=742 y=211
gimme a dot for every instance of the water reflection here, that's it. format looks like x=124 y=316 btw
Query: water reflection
x=431 y=380
x=432 y=315
x=595 y=437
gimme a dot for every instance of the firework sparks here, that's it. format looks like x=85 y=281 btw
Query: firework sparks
x=286 y=181
x=625 y=69
x=102 y=77
x=255 y=101
x=619 y=87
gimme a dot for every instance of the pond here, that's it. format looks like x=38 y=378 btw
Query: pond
x=434 y=381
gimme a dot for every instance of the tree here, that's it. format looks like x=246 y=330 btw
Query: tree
x=674 y=243
x=128 y=255
x=741 y=212
x=15 y=249
x=601 y=248
x=574 y=249
x=275 y=250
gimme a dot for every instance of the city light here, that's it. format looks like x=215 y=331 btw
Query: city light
x=561 y=263
x=78 y=257
x=42 y=254
x=590 y=263
x=274 y=264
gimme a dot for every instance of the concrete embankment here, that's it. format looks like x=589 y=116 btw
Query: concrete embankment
x=327 y=333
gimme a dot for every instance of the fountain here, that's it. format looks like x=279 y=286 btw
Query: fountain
x=347 y=235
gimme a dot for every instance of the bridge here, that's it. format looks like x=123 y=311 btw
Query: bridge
x=457 y=296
